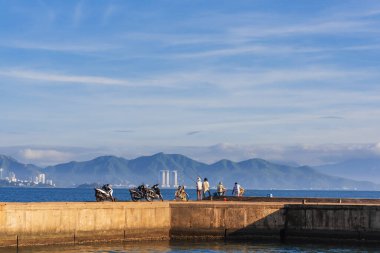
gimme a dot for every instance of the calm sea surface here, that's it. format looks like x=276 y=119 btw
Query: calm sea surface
x=188 y=246
x=81 y=194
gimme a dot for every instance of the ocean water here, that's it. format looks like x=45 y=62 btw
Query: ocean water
x=193 y=246
x=88 y=194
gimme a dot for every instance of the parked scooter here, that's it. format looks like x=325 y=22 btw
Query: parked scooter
x=157 y=191
x=142 y=192
x=104 y=193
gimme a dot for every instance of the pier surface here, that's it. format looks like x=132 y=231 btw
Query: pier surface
x=273 y=219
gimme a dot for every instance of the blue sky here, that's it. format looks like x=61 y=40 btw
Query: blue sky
x=280 y=80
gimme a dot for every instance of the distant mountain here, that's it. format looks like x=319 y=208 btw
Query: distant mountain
x=101 y=169
x=253 y=173
x=22 y=171
x=144 y=169
x=356 y=169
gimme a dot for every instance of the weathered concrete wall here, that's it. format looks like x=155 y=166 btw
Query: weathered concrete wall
x=333 y=222
x=295 y=200
x=50 y=223
x=277 y=221
x=226 y=220
x=47 y=223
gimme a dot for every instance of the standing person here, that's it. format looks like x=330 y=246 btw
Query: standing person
x=236 y=190
x=198 y=186
x=206 y=188
x=220 y=189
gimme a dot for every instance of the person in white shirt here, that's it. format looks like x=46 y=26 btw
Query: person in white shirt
x=236 y=190
x=206 y=188
x=199 y=187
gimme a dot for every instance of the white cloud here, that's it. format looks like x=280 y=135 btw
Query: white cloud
x=51 y=77
x=45 y=155
x=377 y=148
x=253 y=49
x=322 y=27
x=73 y=46
x=301 y=154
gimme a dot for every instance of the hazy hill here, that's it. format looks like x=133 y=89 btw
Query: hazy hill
x=252 y=173
x=357 y=169
x=22 y=171
x=101 y=169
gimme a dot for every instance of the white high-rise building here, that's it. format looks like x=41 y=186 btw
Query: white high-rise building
x=175 y=178
x=41 y=178
x=165 y=178
x=165 y=175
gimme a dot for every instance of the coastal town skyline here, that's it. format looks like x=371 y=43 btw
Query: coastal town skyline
x=280 y=80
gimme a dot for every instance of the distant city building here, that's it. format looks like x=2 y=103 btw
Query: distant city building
x=41 y=178
x=12 y=177
x=175 y=178
x=165 y=178
x=13 y=181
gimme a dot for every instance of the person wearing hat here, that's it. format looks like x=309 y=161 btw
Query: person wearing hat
x=199 y=187
x=206 y=188
x=220 y=189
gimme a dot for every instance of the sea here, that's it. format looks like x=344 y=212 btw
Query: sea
x=88 y=195
x=18 y=194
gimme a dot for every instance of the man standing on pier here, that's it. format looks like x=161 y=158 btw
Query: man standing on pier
x=206 y=188
x=199 y=188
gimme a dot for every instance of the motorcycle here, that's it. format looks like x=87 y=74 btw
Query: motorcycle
x=157 y=191
x=104 y=193
x=142 y=192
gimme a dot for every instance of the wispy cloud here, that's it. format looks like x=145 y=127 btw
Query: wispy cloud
x=74 y=47
x=324 y=27
x=78 y=13
x=124 y=131
x=193 y=132
x=242 y=73
x=258 y=49
x=108 y=12
x=50 y=77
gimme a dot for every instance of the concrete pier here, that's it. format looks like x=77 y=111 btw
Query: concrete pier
x=77 y=222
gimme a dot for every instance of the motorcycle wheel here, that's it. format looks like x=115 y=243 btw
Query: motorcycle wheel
x=134 y=197
x=150 y=196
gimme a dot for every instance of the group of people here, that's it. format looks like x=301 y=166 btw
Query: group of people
x=203 y=188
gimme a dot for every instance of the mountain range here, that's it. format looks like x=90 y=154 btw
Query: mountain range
x=365 y=169
x=252 y=174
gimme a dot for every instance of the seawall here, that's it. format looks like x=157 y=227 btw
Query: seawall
x=77 y=222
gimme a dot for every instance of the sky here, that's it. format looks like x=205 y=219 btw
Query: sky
x=294 y=81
